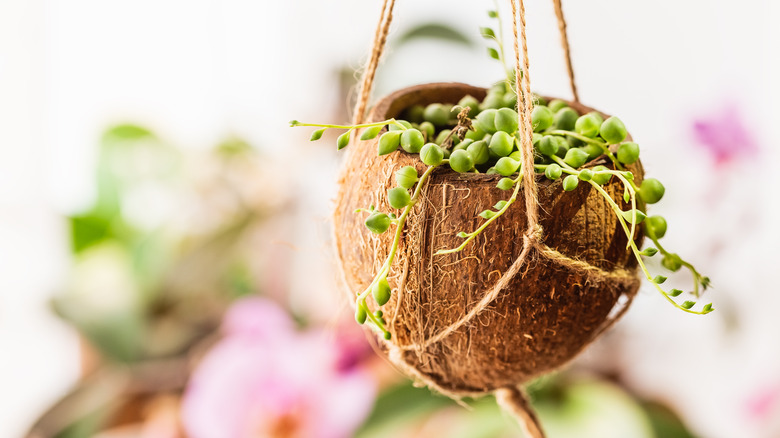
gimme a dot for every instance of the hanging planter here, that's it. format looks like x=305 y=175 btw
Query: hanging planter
x=547 y=300
x=487 y=236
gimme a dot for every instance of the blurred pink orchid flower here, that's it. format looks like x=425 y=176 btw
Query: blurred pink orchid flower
x=764 y=403
x=265 y=379
x=724 y=135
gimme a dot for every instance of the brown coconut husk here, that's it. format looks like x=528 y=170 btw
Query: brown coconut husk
x=506 y=309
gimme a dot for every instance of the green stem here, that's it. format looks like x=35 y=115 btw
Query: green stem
x=499 y=40
x=351 y=127
x=697 y=276
x=382 y=274
x=475 y=233
x=619 y=213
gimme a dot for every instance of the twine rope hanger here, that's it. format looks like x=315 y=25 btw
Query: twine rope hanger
x=380 y=38
x=367 y=82
x=565 y=46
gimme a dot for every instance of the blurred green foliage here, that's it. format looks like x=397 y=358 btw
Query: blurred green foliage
x=143 y=284
x=569 y=406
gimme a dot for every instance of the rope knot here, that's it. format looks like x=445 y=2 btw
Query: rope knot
x=533 y=235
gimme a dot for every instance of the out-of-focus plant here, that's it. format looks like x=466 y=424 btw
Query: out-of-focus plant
x=158 y=256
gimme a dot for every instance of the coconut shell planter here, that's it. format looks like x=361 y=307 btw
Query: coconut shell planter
x=546 y=311
x=486 y=236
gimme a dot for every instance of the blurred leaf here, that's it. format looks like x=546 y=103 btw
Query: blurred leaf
x=399 y=404
x=239 y=280
x=435 y=31
x=131 y=157
x=118 y=337
x=665 y=423
x=86 y=426
x=234 y=147
x=102 y=301
x=127 y=132
x=589 y=407
x=88 y=230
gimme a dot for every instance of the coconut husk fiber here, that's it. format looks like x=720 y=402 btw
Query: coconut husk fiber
x=534 y=303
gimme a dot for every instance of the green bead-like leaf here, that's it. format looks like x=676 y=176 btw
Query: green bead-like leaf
x=470 y=102
x=486 y=121
x=634 y=219
x=576 y=157
x=707 y=308
x=553 y=171
x=371 y=133
x=586 y=174
x=460 y=161
x=316 y=135
x=506 y=166
x=437 y=114
x=398 y=197
x=343 y=140
x=593 y=151
x=487 y=32
x=506 y=120
x=651 y=190
x=361 y=315
x=600 y=176
x=655 y=227
x=499 y=205
x=548 y=145
x=381 y=292
x=378 y=223
x=672 y=262
x=541 y=118
x=565 y=119
x=389 y=142
x=649 y=252
x=505 y=184
x=588 y=126
x=431 y=154
x=487 y=214
x=570 y=183
x=493 y=53
x=688 y=304
x=478 y=151
x=613 y=131
x=406 y=177
x=501 y=144
x=675 y=292
x=412 y=140
x=428 y=130
x=556 y=105
x=628 y=152
x=659 y=279
x=394 y=127
x=462 y=235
